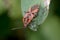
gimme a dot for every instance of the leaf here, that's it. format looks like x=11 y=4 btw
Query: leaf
x=42 y=14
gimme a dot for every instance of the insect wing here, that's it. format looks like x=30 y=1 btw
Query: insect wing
x=27 y=19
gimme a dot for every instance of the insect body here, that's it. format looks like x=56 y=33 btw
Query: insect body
x=30 y=14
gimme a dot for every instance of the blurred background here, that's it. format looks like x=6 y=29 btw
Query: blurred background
x=11 y=17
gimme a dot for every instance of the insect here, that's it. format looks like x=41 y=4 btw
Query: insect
x=30 y=14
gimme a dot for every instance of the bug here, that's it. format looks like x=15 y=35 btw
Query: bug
x=30 y=14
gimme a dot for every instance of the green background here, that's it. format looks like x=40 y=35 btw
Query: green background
x=11 y=18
